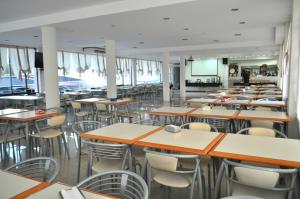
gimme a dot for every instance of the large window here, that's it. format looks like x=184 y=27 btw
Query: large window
x=148 y=71
x=16 y=66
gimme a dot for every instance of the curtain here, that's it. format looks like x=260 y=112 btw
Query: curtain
x=1 y=64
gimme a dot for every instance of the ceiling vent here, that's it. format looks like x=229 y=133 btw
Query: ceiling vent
x=94 y=50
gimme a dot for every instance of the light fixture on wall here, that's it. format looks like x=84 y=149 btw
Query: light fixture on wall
x=190 y=59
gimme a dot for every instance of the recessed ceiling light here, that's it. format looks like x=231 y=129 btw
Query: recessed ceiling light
x=141 y=42
x=242 y=22
x=216 y=40
x=35 y=36
x=186 y=29
x=6 y=40
x=140 y=34
x=184 y=39
x=113 y=26
x=234 y=9
x=166 y=18
x=237 y=34
x=134 y=47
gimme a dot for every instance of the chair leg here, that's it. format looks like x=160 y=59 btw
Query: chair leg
x=59 y=145
x=66 y=147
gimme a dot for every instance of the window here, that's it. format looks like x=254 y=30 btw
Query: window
x=124 y=70
x=16 y=65
x=148 y=71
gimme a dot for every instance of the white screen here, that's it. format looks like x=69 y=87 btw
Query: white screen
x=205 y=67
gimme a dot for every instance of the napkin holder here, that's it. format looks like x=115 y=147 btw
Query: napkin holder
x=72 y=193
x=172 y=128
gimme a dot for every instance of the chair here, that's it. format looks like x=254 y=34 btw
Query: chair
x=262 y=123
x=130 y=111
x=78 y=112
x=241 y=197
x=163 y=168
x=263 y=109
x=103 y=114
x=220 y=123
x=199 y=126
x=104 y=157
x=42 y=168
x=53 y=129
x=260 y=131
x=77 y=129
x=120 y=184
x=264 y=182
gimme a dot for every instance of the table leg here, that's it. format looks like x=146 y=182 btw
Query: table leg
x=79 y=158
x=28 y=155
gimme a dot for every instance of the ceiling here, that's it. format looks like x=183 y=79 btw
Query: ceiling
x=209 y=26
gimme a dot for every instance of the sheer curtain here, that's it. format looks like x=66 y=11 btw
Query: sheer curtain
x=148 y=71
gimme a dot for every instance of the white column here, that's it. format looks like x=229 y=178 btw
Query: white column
x=111 y=67
x=134 y=73
x=165 y=77
x=293 y=94
x=50 y=67
x=182 y=77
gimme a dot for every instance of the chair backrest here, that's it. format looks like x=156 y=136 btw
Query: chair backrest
x=260 y=131
x=120 y=184
x=85 y=126
x=56 y=120
x=195 y=105
x=263 y=109
x=101 y=107
x=168 y=161
x=262 y=123
x=42 y=168
x=76 y=105
x=102 y=151
x=199 y=126
x=258 y=177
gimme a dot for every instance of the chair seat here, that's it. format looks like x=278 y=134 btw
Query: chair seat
x=238 y=190
x=173 y=179
x=107 y=165
x=190 y=163
x=105 y=116
x=49 y=133
x=82 y=113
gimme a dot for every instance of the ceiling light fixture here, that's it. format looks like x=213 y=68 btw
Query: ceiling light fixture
x=113 y=26
x=216 y=40
x=242 y=22
x=186 y=29
x=141 y=42
x=237 y=34
x=184 y=39
x=166 y=18
x=134 y=47
x=35 y=36
x=140 y=34
x=234 y=9
x=6 y=40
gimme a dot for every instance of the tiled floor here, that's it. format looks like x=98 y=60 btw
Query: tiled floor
x=68 y=171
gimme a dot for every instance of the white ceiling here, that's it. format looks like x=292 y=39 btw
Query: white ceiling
x=206 y=20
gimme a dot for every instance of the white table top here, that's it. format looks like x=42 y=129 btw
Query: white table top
x=186 y=141
x=231 y=101
x=263 y=115
x=52 y=192
x=12 y=185
x=267 y=103
x=90 y=100
x=276 y=151
x=214 y=113
x=21 y=97
x=168 y=110
x=8 y=111
x=117 y=102
x=121 y=132
x=200 y=100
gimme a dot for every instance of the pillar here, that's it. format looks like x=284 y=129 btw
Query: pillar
x=293 y=108
x=165 y=77
x=50 y=67
x=182 y=77
x=111 y=68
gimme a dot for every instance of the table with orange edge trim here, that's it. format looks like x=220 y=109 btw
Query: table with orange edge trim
x=26 y=117
x=125 y=133
x=276 y=116
x=185 y=141
x=52 y=192
x=180 y=112
x=259 y=149
x=16 y=186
